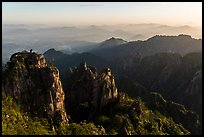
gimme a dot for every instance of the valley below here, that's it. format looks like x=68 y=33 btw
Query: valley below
x=113 y=87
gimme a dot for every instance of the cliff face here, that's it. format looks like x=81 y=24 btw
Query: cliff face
x=89 y=86
x=177 y=78
x=35 y=86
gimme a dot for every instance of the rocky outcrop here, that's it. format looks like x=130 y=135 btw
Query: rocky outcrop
x=104 y=89
x=35 y=86
x=89 y=86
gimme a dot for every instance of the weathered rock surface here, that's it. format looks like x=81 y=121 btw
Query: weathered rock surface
x=35 y=86
x=89 y=86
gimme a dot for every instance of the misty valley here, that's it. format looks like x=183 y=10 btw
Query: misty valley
x=115 y=86
x=71 y=39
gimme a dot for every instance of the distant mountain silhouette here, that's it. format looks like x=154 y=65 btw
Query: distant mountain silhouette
x=53 y=54
x=181 y=44
x=63 y=61
x=112 y=42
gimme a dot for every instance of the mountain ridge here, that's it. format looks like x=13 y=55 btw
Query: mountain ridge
x=111 y=42
x=181 y=44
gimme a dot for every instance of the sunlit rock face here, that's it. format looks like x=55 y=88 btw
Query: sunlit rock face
x=35 y=85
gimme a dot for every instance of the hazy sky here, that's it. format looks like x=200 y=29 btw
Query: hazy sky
x=102 y=13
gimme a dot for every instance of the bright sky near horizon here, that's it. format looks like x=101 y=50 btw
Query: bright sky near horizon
x=102 y=13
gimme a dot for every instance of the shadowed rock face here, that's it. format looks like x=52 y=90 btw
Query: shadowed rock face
x=89 y=86
x=176 y=77
x=35 y=86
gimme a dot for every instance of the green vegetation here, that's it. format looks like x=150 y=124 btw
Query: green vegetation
x=179 y=114
x=17 y=122
x=119 y=119
x=81 y=128
x=137 y=120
